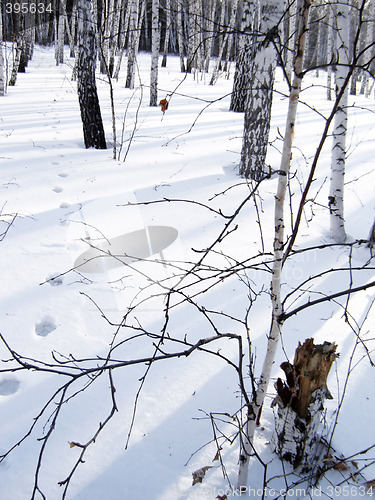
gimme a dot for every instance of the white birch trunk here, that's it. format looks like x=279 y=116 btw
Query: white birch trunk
x=210 y=29
x=61 y=33
x=279 y=242
x=2 y=58
x=155 y=46
x=167 y=32
x=369 y=52
x=194 y=56
x=73 y=29
x=180 y=36
x=331 y=37
x=336 y=194
x=132 y=44
x=124 y=33
x=225 y=43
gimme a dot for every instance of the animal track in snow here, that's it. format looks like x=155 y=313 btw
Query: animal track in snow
x=63 y=175
x=57 y=189
x=45 y=327
x=54 y=280
x=9 y=386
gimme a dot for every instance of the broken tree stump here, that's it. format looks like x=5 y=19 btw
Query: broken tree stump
x=300 y=402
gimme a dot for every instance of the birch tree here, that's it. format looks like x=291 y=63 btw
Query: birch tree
x=336 y=194
x=194 y=55
x=225 y=43
x=62 y=20
x=241 y=81
x=93 y=130
x=167 y=32
x=132 y=44
x=279 y=244
x=263 y=57
x=180 y=35
x=155 y=45
x=2 y=57
x=135 y=24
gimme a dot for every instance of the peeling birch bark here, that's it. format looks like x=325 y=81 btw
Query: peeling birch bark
x=300 y=401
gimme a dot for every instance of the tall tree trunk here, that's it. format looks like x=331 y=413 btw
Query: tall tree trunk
x=225 y=43
x=241 y=83
x=61 y=33
x=279 y=243
x=194 y=55
x=167 y=32
x=132 y=41
x=331 y=44
x=155 y=43
x=211 y=6
x=2 y=57
x=336 y=193
x=180 y=36
x=135 y=26
x=93 y=131
x=73 y=24
x=263 y=57
x=123 y=37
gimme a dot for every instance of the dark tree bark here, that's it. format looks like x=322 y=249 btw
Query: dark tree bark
x=241 y=83
x=93 y=130
x=262 y=64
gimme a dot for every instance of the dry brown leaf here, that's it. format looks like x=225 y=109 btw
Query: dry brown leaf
x=217 y=456
x=341 y=466
x=199 y=474
x=72 y=444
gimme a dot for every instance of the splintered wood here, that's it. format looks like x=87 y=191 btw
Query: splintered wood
x=300 y=401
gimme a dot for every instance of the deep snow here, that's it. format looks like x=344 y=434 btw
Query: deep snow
x=68 y=199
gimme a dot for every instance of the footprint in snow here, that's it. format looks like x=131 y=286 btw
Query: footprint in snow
x=63 y=175
x=45 y=327
x=54 y=280
x=57 y=189
x=8 y=386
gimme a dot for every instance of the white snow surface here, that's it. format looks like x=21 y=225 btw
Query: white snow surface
x=67 y=200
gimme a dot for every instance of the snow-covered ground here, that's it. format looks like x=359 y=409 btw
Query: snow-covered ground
x=66 y=201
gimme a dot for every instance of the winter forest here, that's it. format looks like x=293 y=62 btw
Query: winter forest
x=187 y=249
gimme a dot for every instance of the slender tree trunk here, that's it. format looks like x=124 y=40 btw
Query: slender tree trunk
x=279 y=243
x=180 y=36
x=132 y=41
x=17 y=50
x=369 y=51
x=167 y=32
x=73 y=24
x=123 y=37
x=155 y=43
x=194 y=59
x=225 y=44
x=2 y=57
x=331 y=39
x=263 y=58
x=336 y=194
x=61 y=33
x=93 y=131
x=135 y=26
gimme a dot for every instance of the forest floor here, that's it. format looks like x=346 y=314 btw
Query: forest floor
x=64 y=200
